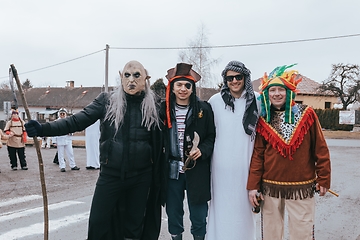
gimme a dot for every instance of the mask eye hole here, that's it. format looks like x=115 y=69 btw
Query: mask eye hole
x=137 y=75
x=127 y=75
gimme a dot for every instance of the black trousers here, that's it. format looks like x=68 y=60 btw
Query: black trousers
x=118 y=207
x=12 y=151
x=175 y=209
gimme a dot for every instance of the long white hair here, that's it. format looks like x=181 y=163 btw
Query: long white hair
x=117 y=108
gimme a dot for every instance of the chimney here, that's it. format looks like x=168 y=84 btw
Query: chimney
x=70 y=84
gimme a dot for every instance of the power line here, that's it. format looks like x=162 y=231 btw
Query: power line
x=242 y=45
x=59 y=63
x=216 y=46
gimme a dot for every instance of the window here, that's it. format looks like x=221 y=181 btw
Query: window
x=327 y=105
x=41 y=116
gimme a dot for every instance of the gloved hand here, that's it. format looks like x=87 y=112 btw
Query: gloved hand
x=33 y=128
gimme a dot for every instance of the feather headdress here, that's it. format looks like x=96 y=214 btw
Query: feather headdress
x=286 y=79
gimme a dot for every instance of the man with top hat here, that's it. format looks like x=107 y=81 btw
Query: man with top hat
x=16 y=143
x=189 y=139
x=290 y=158
x=236 y=113
x=126 y=202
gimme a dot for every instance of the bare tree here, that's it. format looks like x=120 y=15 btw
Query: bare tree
x=344 y=83
x=4 y=85
x=198 y=54
x=159 y=88
x=27 y=84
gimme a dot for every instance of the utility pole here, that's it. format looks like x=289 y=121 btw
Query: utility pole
x=106 y=68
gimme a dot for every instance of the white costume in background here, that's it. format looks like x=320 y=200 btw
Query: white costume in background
x=92 y=136
x=45 y=142
x=64 y=145
x=230 y=215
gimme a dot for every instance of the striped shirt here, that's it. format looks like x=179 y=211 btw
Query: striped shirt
x=181 y=112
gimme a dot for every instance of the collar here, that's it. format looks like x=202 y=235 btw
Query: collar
x=272 y=108
x=138 y=97
x=287 y=146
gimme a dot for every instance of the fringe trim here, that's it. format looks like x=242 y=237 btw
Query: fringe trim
x=295 y=192
x=278 y=142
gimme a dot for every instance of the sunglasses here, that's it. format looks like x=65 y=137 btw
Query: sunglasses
x=62 y=113
x=237 y=77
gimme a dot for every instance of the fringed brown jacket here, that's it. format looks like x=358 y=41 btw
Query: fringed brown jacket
x=288 y=158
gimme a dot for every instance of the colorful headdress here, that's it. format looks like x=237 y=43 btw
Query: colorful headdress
x=286 y=79
x=182 y=71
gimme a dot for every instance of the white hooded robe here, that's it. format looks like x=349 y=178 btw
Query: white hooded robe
x=230 y=215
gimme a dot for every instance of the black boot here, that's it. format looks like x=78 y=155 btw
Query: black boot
x=177 y=237
x=199 y=237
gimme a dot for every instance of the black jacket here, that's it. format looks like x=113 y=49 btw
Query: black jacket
x=198 y=178
x=130 y=151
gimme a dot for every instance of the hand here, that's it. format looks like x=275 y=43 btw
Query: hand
x=322 y=190
x=33 y=128
x=195 y=154
x=252 y=198
x=11 y=134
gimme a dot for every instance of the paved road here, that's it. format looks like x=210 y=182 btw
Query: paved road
x=70 y=194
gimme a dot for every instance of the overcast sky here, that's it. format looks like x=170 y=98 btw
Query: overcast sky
x=37 y=34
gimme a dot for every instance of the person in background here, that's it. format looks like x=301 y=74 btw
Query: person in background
x=64 y=146
x=92 y=136
x=290 y=159
x=126 y=202
x=236 y=111
x=188 y=165
x=4 y=137
x=45 y=143
x=56 y=158
x=16 y=143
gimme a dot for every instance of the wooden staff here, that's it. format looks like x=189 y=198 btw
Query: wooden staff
x=332 y=192
x=37 y=146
